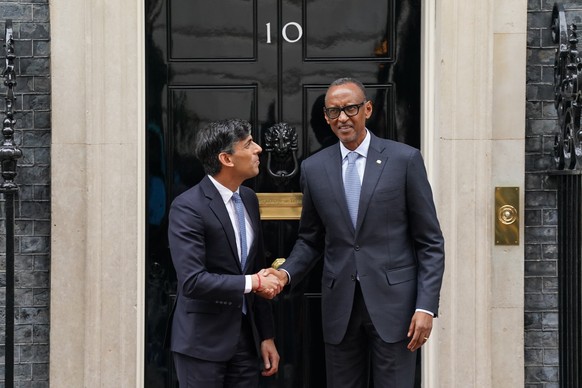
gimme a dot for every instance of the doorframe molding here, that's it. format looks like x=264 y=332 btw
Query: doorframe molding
x=97 y=308
x=430 y=154
x=473 y=140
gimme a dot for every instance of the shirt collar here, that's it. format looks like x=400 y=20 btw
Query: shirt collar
x=362 y=148
x=224 y=192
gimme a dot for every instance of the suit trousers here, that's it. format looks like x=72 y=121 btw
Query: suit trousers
x=241 y=371
x=362 y=355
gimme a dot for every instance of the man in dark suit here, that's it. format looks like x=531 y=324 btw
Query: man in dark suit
x=368 y=208
x=219 y=326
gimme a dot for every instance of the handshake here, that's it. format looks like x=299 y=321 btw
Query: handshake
x=269 y=282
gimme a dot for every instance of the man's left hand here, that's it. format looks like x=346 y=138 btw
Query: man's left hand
x=270 y=357
x=419 y=330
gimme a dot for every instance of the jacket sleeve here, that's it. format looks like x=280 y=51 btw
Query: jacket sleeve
x=187 y=234
x=308 y=248
x=426 y=234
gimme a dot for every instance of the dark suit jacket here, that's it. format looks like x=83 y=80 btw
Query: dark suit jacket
x=206 y=322
x=397 y=248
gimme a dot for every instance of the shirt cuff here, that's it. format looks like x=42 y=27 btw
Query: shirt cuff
x=288 y=275
x=248 y=283
x=426 y=311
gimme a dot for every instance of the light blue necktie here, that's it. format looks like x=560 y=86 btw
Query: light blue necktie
x=352 y=186
x=240 y=215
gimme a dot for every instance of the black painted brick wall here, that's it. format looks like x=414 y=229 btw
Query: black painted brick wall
x=30 y=20
x=541 y=250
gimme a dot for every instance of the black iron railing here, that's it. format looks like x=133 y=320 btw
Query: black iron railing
x=568 y=164
x=569 y=278
x=9 y=154
x=567 y=91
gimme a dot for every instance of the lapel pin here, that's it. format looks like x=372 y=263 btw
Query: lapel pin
x=379 y=161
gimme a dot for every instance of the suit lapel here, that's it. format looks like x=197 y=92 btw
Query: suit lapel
x=333 y=168
x=375 y=163
x=217 y=206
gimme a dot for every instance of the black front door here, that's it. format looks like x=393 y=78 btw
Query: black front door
x=268 y=62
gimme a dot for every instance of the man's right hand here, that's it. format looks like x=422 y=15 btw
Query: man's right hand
x=266 y=285
x=281 y=275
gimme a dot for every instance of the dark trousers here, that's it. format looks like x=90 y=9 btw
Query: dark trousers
x=241 y=371
x=363 y=355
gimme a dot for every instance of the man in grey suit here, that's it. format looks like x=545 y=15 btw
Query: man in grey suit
x=368 y=208
x=219 y=328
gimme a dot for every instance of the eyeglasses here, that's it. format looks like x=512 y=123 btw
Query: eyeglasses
x=349 y=110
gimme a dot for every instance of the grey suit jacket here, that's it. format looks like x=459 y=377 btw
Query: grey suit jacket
x=396 y=248
x=206 y=321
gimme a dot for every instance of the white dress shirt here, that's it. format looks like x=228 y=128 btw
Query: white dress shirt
x=362 y=150
x=226 y=195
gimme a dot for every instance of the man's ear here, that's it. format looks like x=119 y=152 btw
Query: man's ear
x=369 y=107
x=225 y=160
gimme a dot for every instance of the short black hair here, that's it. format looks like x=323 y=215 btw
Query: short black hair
x=217 y=137
x=349 y=80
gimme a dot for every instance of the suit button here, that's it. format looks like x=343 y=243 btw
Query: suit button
x=353 y=278
x=357 y=247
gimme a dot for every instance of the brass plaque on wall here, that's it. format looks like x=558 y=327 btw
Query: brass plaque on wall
x=280 y=206
x=507 y=216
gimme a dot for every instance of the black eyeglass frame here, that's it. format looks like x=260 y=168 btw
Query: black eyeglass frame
x=343 y=109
